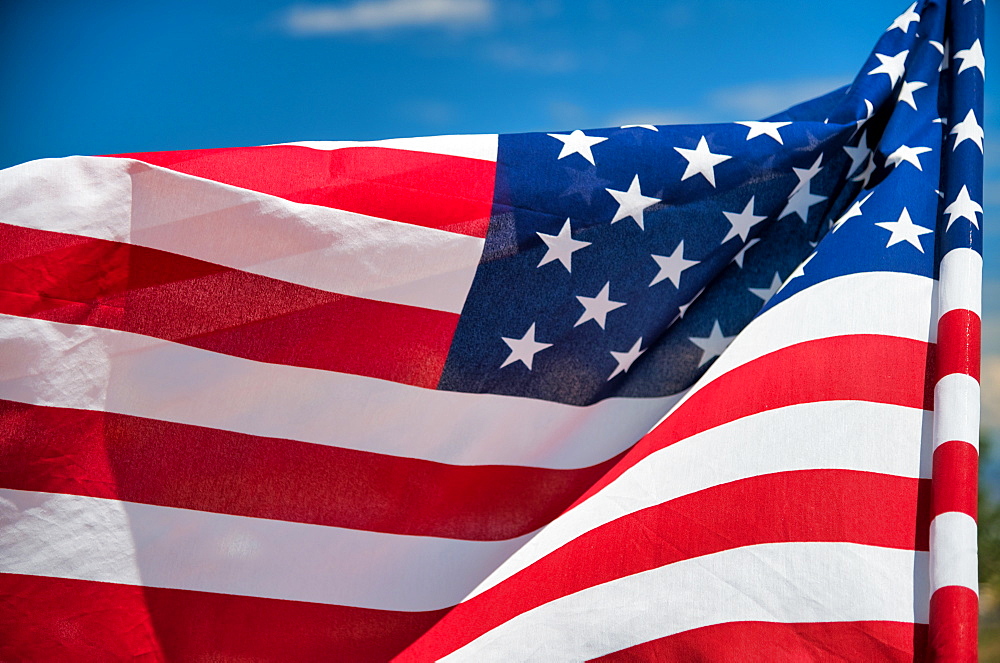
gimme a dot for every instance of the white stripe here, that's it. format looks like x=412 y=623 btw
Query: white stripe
x=88 y=368
x=961 y=281
x=778 y=582
x=954 y=556
x=885 y=303
x=88 y=538
x=473 y=146
x=847 y=435
x=128 y=201
x=956 y=410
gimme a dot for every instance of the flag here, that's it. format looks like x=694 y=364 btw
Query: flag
x=699 y=392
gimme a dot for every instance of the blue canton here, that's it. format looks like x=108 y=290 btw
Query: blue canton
x=621 y=261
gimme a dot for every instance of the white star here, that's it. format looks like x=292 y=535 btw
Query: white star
x=632 y=203
x=940 y=49
x=561 y=247
x=867 y=173
x=523 y=349
x=869 y=112
x=806 y=175
x=799 y=203
x=968 y=129
x=626 y=359
x=740 y=223
x=712 y=345
x=943 y=49
x=765 y=129
x=597 y=308
x=639 y=126
x=906 y=92
x=738 y=258
x=908 y=154
x=768 y=292
x=683 y=308
x=972 y=58
x=964 y=207
x=903 y=20
x=800 y=270
x=672 y=266
x=858 y=153
x=578 y=142
x=904 y=230
x=892 y=66
x=851 y=213
x=701 y=161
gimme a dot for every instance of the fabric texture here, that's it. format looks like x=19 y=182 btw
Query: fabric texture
x=699 y=392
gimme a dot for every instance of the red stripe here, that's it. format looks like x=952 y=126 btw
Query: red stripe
x=954 y=610
x=954 y=625
x=737 y=642
x=861 y=367
x=65 y=278
x=959 y=341
x=808 y=505
x=433 y=190
x=956 y=478
x=114 y=456
x=53 y=619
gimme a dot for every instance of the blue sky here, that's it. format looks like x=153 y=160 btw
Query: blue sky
x=107 y=77
x=91 y=77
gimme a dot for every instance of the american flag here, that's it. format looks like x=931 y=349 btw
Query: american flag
x=700 y=392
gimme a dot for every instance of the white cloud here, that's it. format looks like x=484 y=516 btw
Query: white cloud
x=512 y=56
x=433 y=114
x=654 y=116
x=380 y=15
x=759 y=100
x=728 y=104
x=567 y=114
